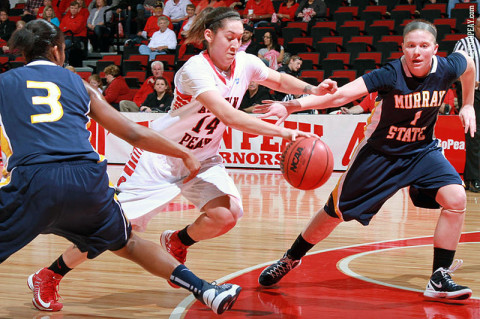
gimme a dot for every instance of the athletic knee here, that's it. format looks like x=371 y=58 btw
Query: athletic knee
x=456 y=203
x=227 y=219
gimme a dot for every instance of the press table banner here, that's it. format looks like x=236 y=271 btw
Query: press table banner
x=242 y=150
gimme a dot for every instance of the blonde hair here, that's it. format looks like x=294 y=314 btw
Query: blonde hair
x=97 y=79
x=112 y=69
x=420 y=24
x=53 y=12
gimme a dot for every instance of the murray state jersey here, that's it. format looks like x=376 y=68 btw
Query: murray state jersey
x=404 y=120
x=191 y=124
x=43 y=111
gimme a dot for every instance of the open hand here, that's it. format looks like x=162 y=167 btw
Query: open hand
x=271 y=108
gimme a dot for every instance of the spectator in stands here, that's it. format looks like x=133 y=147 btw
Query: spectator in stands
x=452 y=3
x=6 y=50
x=209 y=3
x=162 y=42
x=176 y=10
x=98 y=32
x=145 y=10
x=292 y=67
x=160 y=100
x=151 y=26
x=74 y=26
x=146 y=88
x=286 y=11
x=187 y=23
x=6 y=26
x=49 y=3
x=49 y=15
x=311 y=11
x=152 y=23
x=30 y=10
x=117 y=88
x=259 y=11
x=366 y=106
x=84 y=11
x=96 y=82
x=254 y=95
x=248 y=44
x=272 y=53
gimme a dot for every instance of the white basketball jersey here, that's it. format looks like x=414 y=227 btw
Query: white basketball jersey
x=189 y=123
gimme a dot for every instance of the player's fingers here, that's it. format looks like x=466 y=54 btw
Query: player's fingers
x=281 y=120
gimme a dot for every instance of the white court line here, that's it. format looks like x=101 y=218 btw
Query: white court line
x=180 y=309
x=343 y=266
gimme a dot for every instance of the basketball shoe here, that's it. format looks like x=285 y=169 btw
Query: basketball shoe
x=172 y=244
x=44 y=284
x=218 y=298
x=441 y=284
x=273 y=273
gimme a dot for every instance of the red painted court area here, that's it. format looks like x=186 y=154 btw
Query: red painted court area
x=318 y=289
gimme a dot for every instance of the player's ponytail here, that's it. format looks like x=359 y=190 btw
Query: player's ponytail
x=36 y=39
x=209 y=19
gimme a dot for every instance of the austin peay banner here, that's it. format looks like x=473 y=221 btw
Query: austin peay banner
x=342 y=134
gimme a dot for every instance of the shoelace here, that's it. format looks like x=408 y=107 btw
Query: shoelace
x=283 y=266
x=454 y=266
x=50 y=288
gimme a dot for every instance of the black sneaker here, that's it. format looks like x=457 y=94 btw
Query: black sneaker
x=218 y=298
x=273 y=273
x=441 y=284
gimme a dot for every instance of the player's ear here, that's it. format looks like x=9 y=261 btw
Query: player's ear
x=58 y=55
x=208 y=35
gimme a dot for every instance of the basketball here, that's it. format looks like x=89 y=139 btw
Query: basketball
x=307 y=163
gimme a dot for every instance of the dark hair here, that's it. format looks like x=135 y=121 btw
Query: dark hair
x=168 y=91
x=274 y=40
x=36 y=39
x=212 y=19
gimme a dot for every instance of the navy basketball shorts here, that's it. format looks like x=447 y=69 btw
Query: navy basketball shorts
x=69 y=199
x=372 y=178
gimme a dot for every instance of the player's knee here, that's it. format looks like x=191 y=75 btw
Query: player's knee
x=456 y=203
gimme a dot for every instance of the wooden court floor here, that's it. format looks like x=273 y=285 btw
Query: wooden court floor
x=275 y=213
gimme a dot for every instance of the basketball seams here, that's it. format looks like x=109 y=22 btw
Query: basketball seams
x=302 y=170
x=321 y=182
x=312 y=151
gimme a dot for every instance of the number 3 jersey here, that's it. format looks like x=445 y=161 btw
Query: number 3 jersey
x=43 y=113
x=191 y=124
x=404 y=120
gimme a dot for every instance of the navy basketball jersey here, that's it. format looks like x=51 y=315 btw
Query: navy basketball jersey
x=43 y=113
x=403 y=122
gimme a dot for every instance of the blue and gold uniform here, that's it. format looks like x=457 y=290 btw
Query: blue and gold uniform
x=58 y=183
x=399 y=148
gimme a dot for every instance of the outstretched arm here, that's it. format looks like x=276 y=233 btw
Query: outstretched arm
x=138 y=135
x=242 y=121
x=467 y=112
x=286 y=83
x=347 y=93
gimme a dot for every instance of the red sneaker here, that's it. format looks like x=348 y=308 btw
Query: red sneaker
x=172 y=244
x=44 y=284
